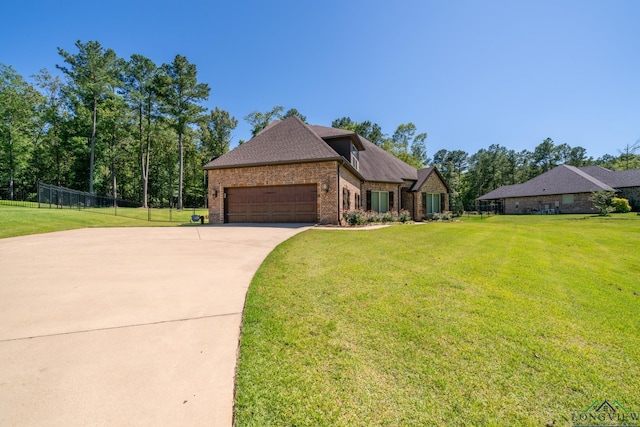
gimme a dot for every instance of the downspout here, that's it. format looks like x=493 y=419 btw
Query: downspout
x=338 y=193
x=413 y=206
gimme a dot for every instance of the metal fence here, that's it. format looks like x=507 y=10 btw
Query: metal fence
x=60 y=197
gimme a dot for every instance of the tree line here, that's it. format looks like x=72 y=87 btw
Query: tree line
x=138 y=131
x=127 y=128
x=471 y=175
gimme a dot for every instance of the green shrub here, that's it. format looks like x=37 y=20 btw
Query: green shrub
x=620 y=205
x=360 y=217
x=443 y=216
x=602 y=201
x=372 y=216
x=355 y=217
x=388 y=217
x=404 y=216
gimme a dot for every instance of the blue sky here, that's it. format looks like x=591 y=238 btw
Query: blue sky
x=469 y=73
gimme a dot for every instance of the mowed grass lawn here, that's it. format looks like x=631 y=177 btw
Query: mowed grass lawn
x=20 y=221
x=505 y=321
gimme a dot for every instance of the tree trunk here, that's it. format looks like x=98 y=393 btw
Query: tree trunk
x=93 y=143
x=180 y=170
x=10 y=166
x=141 y=154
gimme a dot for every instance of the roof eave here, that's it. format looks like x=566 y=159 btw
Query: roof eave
x=282 y=162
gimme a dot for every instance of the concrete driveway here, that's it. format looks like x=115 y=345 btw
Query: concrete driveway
x=125 y=326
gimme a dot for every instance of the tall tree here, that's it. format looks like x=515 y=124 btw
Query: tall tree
x=19 y=103
x=93 y=74
x=52 y=122
x=371 y=131
x=294 y=112
x=628 y=154
x=215 y=133
x=546 y=156
x=259 y=120
x=407 y=146
x=141 y=94
x=181 y=94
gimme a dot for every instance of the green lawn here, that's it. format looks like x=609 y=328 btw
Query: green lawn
x=19 y=221
x=500 y=321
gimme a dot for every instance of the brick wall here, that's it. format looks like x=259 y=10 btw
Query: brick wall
x=381 y=186
x=323 y=174
x=524 y=205
x=349 y=182
x=433 y=185
x=633 y=195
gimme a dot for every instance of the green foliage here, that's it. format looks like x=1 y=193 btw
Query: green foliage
x=215 y=133
x=442 y=216
x=404 y=216
x=367 y=129
x=259 y=120
x=602 y=201
x=620 y=205
x=294 y=112
x=360 y=217
x=181 y=94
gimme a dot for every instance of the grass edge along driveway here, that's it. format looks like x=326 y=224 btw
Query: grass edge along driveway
x=502 y=321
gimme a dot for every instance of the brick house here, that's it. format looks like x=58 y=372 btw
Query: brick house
x=565 y=189
x=294 y=172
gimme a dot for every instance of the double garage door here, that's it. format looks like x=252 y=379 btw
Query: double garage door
x=285 y=203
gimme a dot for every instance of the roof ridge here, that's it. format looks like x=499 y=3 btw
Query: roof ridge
x=588 y=177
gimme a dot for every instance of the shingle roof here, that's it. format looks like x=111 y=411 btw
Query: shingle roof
x=288 y=141
x=563 y=179
x=292 y=141
x=616 y=179
x=379 y=165
x=329 y=133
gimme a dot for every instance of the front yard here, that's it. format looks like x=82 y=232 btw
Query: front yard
x=500 y=321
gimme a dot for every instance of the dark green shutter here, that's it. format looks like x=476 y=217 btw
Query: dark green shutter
x=368 y=200
x=390 y=200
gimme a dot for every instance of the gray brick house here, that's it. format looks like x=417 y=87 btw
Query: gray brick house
x=294 y=172
x=565 y=189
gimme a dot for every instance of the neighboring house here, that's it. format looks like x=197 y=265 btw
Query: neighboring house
x=565 y=189
x=294 y=172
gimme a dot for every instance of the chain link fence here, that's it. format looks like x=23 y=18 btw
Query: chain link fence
x=50 y=196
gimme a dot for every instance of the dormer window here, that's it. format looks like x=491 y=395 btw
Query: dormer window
x=354 y=157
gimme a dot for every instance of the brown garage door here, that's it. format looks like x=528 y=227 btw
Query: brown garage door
x=286 y=203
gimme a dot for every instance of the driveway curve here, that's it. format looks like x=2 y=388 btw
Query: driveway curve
x=125 y=326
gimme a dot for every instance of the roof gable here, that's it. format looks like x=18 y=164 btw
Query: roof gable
x=424 y=174
x=287 y=141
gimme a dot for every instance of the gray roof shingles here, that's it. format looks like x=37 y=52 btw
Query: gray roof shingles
x=379 y=165
x=563 y=179
x=292 y=141
x=288 y=141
